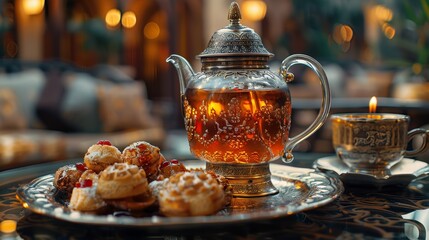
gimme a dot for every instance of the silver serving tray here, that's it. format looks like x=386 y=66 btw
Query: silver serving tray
x=300 y=189
x=402 y=173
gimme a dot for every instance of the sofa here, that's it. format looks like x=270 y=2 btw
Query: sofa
x=52 y=110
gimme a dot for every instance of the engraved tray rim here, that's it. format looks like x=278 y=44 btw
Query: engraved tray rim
x=322 y=189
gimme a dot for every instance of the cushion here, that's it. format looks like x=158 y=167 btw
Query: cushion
x=49 y=105
x=10 y=116
x=24 y=89
x=123 y=106
x=114 y=73
x=79 y=107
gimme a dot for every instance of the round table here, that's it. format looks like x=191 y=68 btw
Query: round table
x=360 y=212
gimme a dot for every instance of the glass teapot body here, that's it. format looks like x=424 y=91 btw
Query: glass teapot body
x=237 y=115
x=236 y=110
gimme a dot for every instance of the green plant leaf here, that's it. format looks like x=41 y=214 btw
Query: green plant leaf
x=422 y=55
x=425 y=6
x=409 y=12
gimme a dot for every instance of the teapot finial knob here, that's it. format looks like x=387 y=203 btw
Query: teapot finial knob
x=234 y=14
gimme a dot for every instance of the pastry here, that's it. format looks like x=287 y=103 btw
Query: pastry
x=144 y=155
x=66 y=177
x=88 y=175
x=122 y=180
x=156 y=186
x=134 y=203
x=101 y=155
x=84 y=196
x=169 y=168
x=227 y=188
x=193 y=193
x=140 y=178
x=223 y=181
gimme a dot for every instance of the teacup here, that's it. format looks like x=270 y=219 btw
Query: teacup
x=374 y=142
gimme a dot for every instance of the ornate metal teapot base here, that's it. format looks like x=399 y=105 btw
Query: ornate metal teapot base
x=246 y=180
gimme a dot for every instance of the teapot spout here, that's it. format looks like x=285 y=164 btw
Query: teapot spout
x=184 y=70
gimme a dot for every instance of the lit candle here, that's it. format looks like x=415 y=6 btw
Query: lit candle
x=373 y=105
x=373 y=108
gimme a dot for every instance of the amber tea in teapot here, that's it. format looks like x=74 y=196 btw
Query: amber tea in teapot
x=237 y=126
x=237 y=111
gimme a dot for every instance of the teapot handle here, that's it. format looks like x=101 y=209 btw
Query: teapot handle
x=326 y=99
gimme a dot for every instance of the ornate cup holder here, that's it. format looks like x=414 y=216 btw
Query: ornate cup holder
x=247 y=180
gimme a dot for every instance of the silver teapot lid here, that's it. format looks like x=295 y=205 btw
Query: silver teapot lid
x=235 y=39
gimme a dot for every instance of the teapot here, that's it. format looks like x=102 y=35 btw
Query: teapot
x=237 y=112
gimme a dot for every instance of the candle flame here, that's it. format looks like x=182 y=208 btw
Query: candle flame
x=373 y=105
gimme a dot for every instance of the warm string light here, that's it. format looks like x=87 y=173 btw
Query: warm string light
x=114 y=17
x=342 y=35
x=254 y=10
x=373 y=105
x=384 y=15
x=151 y=30
x=33 y=7
x=129 y=19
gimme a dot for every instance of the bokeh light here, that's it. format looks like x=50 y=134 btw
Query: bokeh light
x=129 y=19
x=151 y=30
x=383 y=13
x=113 y=17
x=417 y=68
x=254 y=10
x=33 y=7
x=342 y=33
x=389 y=31
x=7 y=226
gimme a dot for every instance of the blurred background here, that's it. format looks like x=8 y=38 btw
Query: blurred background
x=76 y=71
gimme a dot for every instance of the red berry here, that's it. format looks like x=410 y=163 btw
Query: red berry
x=164 y=164
x=87 y=183
x=104 y=142
x=174 y=161
x=81 y=167
x=142 y=147
x=83 y=184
